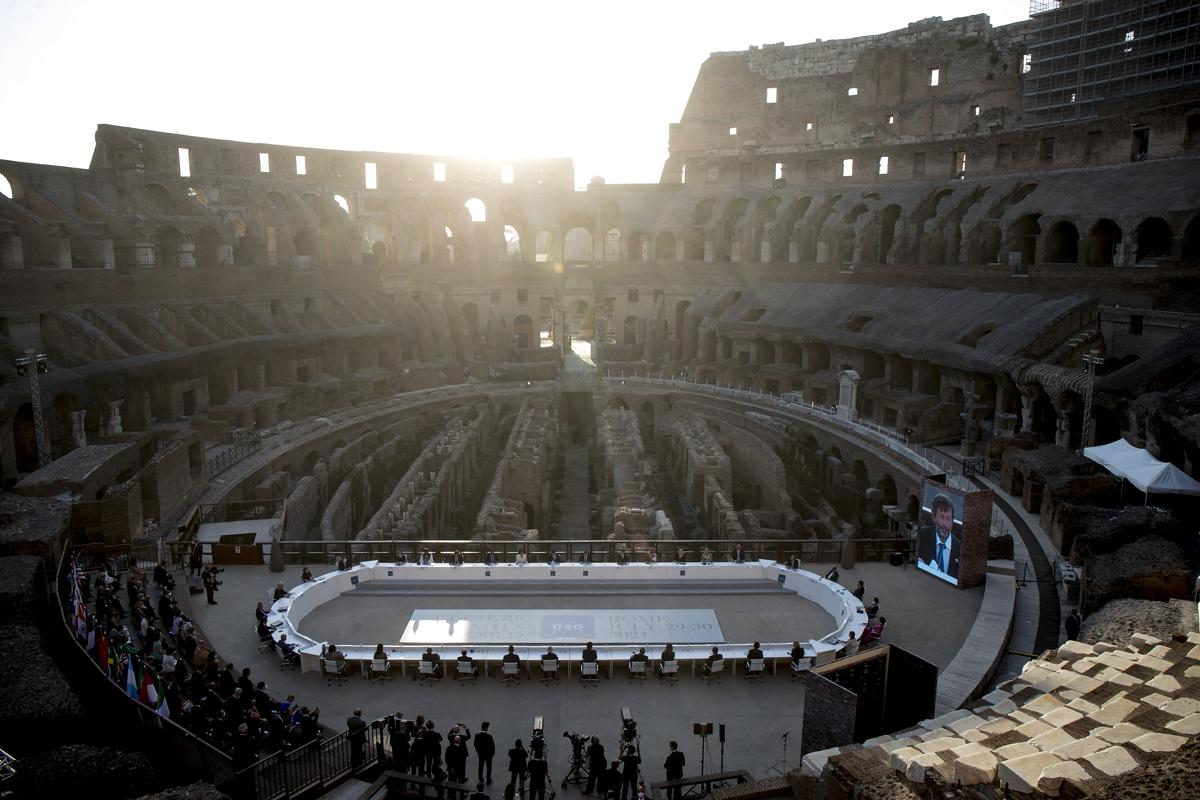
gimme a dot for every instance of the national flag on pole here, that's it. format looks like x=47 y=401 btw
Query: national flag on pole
x=131 y=680
x=102 y=651
x=162 y=710
x=80 y=611
x=149 y=694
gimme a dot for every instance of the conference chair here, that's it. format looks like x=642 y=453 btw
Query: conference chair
x=511 y=670
x=668 y=671
x=335 y=671
x=712 y=672
x=589 y=673
x=637 y=671
x=287 y=661
x=755 y=669
x=549 y=670
x=798 y=669
x=428 y=673
x=466 y=671
x=264 y=643
x=378 y=669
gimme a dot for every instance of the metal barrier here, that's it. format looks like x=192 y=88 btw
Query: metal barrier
x=810 y=551
x=244 y=443
x=317 y=765
x=698 y=786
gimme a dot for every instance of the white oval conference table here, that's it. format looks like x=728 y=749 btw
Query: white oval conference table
x=287 y=614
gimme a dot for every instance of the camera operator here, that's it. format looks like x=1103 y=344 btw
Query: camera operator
x=596 y=763
x=630 y=768
x=209 y=577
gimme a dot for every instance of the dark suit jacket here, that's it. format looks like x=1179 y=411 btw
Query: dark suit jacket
x=485 y=745
x=674 y=765
x=927 y=548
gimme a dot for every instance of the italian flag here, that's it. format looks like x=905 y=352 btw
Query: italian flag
x=149 y=694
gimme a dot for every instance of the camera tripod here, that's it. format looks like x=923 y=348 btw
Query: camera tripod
x=578 y=773
x=780 y=767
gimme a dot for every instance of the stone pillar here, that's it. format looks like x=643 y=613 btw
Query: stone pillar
x=972 y=416
x=1005 y=425
x=735 y=251
x=764 y=251
x=708 y=251
x=12 y=254
x=1062 y=433
x=114 y=418
x=847 y=406
x=78 y=433
x=1027 y=400
x=793 y=252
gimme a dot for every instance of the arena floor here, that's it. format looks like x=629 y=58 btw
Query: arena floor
x=756 y=715
x=762 y=611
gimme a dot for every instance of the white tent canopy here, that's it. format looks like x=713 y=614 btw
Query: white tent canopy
x=1141 y=469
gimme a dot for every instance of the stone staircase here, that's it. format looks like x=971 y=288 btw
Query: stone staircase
x=1071 y=723
x=574 y=521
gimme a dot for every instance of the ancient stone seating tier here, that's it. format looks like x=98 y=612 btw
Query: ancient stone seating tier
x=1069 y=724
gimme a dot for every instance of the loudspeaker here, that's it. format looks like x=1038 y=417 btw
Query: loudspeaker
x=722 y=732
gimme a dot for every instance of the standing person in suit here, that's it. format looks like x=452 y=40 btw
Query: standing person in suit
x=456 y=760
x=518 y=763
x=596 y=763
x=485 y=748
x=630 y=765
x=674 y=767
x=739 y=555
x=433 y=747
x=357 y=727
x=539 y=774
x=937 y=546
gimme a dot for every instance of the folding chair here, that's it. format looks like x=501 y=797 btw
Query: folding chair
x=589 y=673
x=668 y=671
x=712 y=672
x=637 y=671
x=335 y=671
x=428 y=673
x=466 y=671
x=511 y=670
x=549 y=670
x=378 y=669
x=755 y=669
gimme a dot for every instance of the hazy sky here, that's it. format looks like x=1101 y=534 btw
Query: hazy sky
x=598 y=82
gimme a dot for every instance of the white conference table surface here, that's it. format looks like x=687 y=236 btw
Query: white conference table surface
x=288 y=612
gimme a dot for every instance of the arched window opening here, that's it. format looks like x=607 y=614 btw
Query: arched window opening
x=476 y=208
x=1063 y=244
x=664 y=246
x=578 y=245
x=1153 y=239
x=512 y=243
x=343 y=203
x=1102 y=243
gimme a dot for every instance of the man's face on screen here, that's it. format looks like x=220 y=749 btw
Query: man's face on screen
x=943 y=520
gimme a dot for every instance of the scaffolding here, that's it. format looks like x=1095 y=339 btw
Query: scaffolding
x=1088 y=52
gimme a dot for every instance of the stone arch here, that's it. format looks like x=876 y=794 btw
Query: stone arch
x=1023 y=238
x=859 y=470
x=664 y=246
x=1153 y=238
x=612 y=244
x=1062 y=243
x=476 y=209
x=618 y=402
x=887 y=488
x=10 y=188
x=541 y=246
x=888 y=218
x=577 y=245
x=512 y=243
x=208 y=248
x=523 y=332
x=730 y=228
x=1103 y=239
x=1191 y=240
x=470 y=314
x=638 y=248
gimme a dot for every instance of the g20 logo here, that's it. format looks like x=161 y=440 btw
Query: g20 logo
x=568 y=626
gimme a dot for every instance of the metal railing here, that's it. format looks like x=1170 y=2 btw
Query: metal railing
x=163 y=739
x=244 y=443
x=317 y=765
x=811 y=551
x=927 y=459
x=698 y=786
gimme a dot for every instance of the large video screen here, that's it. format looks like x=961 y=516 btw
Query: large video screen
x=940 y=532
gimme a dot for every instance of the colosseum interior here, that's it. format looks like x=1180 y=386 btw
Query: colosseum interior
x=952 y=248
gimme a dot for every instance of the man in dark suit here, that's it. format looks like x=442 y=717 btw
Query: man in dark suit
x=357 y=727
x=456 y=760
x=485 y=748
x=674 y=767
x=739 y=555
x=937 y=546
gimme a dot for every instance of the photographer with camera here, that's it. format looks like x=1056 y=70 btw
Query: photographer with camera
x=208 y=576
